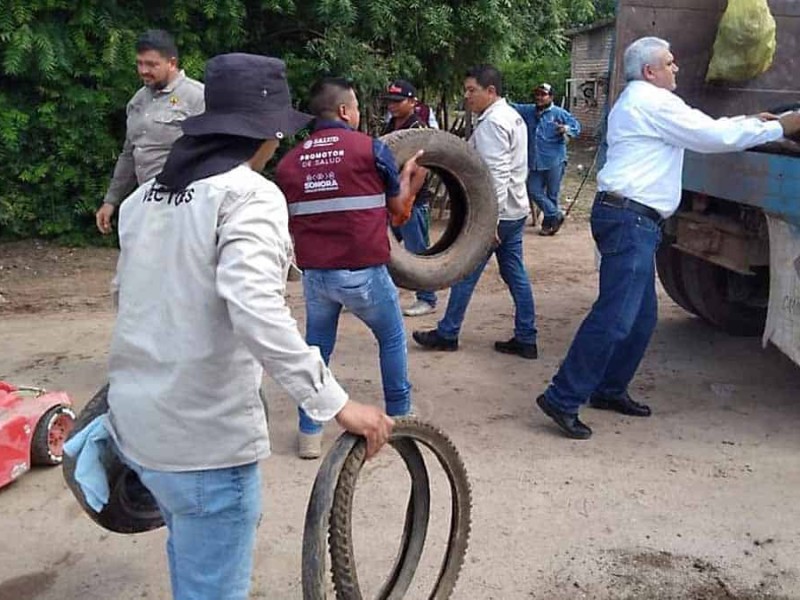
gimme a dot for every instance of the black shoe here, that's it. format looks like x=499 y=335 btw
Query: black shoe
x=512 y=346
x=570 y=424
x=431 y=339
x=622 y=404
x=553 y=225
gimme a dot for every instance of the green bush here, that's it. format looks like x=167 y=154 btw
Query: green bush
x=67 y=70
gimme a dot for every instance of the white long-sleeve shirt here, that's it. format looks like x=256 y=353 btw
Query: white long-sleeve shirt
x=648 y=130
x=501 y=138
x=201 y=281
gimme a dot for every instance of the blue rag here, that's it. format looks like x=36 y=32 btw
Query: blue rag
x=88 y=447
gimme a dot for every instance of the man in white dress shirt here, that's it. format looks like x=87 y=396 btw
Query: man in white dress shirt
x=639 y=187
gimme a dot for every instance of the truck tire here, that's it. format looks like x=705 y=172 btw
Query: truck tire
x=131 y=508
x=668 y=266
x=706 y=286
x=470 y=233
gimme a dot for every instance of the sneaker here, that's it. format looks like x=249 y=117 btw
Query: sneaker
x=419 y=308
x=512 y=346
x=309 y=445
x=552 y=226
x=431 y=339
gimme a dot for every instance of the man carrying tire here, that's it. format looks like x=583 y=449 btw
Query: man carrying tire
x=500 y=137
x=338 y=184
x=639 y=187
x=400 y=97
x=201 y=276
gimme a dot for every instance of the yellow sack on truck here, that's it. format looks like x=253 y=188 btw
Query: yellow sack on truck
x=745 y=43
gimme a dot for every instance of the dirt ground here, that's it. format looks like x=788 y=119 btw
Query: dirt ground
x=700 y=501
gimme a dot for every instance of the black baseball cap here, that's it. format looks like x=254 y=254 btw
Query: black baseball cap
x=399 y=89
x=545 y=87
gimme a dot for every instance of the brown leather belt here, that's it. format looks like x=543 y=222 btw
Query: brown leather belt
x=618 y=201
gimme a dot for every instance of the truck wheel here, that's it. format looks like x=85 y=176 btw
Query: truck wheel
x=668 y=266
x=47 y=445
x=470 y=233
x=707 y=287
x=131 y=508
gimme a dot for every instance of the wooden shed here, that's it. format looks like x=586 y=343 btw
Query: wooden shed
x=587 y=87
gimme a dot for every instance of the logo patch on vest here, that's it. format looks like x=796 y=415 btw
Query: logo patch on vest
x=321 y=182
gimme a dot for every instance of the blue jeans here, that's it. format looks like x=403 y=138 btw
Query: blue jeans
x=512 y=270
x=544 y=188
x=613 y=337
x=212 y=516
x=414 y=235
x=370 y=294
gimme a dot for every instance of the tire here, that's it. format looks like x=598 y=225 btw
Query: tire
x=131 y=508
x=330 y=511
x=706 y=286
x=470 y=233
x=47 y=445
x=668 y=266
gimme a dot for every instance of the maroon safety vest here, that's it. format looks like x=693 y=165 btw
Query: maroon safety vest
x=337 y=201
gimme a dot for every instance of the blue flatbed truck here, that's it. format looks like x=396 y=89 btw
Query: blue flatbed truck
x=731 y=253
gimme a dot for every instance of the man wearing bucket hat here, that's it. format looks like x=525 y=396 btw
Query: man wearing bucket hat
x=549 y=126
x=342 y=186
x=401 y=99
x=205 y=249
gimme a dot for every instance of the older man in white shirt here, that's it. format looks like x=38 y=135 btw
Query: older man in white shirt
x=649 y=128
x=501 y=138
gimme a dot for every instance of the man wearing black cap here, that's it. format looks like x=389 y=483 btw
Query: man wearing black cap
x=205 y=249
x=401 y=100
x=342 y=186
x=549 y=126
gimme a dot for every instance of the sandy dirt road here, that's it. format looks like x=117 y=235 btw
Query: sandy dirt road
x=701 y=501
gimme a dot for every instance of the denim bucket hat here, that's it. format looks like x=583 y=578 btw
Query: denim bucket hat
x=246 y=95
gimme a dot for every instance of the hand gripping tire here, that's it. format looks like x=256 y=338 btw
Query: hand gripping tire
x=330 y=510
x=131 y=508
x=470 y=233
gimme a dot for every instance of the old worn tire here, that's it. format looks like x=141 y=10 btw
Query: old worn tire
x=407 y=431
x=668 y=266
x=470 y=233
x=706 y=288
x=131 y=508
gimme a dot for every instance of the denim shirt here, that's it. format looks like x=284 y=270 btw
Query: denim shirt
x=547 y=148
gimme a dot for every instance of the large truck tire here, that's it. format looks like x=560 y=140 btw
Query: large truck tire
x=706 y=286
x=131 y=508
x=470 y=233
x=668 y=266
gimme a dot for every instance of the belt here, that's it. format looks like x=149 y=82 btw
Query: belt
x=619 y=201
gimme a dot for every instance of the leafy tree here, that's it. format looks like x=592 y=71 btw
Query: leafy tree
x=67 y=72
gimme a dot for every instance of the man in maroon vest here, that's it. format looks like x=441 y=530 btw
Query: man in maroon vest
x=339 y=184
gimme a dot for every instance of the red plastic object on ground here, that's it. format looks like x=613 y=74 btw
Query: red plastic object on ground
x=34 y=424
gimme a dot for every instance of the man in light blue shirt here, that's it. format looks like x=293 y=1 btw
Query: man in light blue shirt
x=549 y=126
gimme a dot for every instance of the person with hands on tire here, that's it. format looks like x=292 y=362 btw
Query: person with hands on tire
x=649 y=127
x=154 y=117
x=501 y=139
x=201 y=277
x=341 y=187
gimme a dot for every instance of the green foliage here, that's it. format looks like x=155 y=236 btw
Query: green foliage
x=67 y=71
